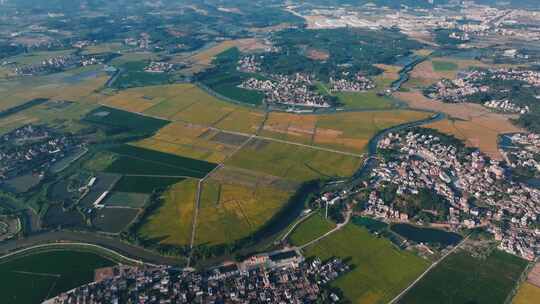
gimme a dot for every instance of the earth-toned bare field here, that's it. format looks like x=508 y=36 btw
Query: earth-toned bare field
x=527 y=294
x=473 y=123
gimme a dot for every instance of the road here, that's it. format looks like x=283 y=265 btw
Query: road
x=336 y=229
x=128 y=250
x=401 y=294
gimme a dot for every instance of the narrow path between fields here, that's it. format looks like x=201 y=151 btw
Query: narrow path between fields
x=335 y=229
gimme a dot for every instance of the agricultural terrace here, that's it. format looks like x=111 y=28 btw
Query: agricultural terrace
x=527 y=294
x=462 y=278
x=381 y=270
x=229 y=212
x=36 y=277
x=171 y=222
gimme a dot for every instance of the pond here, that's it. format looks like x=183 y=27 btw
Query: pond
x=426 y=235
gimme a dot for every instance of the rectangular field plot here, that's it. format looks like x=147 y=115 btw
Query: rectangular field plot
x=144 y=184
x=241 y=120
x=352 y=131
x=297 y=128
x=381 y=271
x=171 y=222
x=114 y=220
x=193 y=141
x=122 y=120
x=139 y=161
x=177 y=98
x=126 y=199
x=461 y=278
x=292 y=162
x=104 y=182
x=230 y=212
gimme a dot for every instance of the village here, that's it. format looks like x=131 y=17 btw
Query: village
x=479 y=81
x=523 y=151
x=277 y=277
x=297 y=89
x=478 y=190
x=358 y=83
x=57 y=64
x=32 y=149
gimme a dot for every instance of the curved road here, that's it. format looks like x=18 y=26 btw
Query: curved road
x=128 y=250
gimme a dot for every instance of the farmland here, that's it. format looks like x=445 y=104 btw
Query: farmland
x=114 y=220
x=138 y=161
x=118 y=120
x=36 y=277
x=365 y=100
x=126 y=199
x=310 y=229
x=230 y=212
x=461 y=278
x=171 y=222
x=442 y=66
x=292 y=162
x=474 y=124
x=527 y=294
x=144 y=184
x=380 y=270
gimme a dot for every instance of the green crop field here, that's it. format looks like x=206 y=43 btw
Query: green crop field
x=461 y=278
x=444 y=66
x=381 y=271
x=293 y=162
x=133 y=75
x=364 y=100
x=310 y=229
x=171 y=222
x=139 y=161
x=144 y=184
x=36 y=277
x=114 y=220
x=124 y=121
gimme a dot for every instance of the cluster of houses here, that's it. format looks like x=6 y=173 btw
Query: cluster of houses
x=159 y=67
x=524 y=151
x=297 y=89
x=356 y=83
x=476 y=81
x=249 y=64
x=56 y=64
x=32 y=148
x=143 y=42
x=478 y=190
x=296 y=281
x=506 y=106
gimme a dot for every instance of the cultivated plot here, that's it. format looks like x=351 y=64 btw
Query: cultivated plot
x=381 y=271
x=171 y=222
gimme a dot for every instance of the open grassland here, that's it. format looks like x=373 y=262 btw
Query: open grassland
x=36 y=277
x=171 y=222
x=527 y=294
x=109 y=47
x=193 y=141
x=134 y=160
x=381 y=271
x=310 y=229
x=292 y=162
x=461 y=278
x=473 y=123
x=230 y=212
